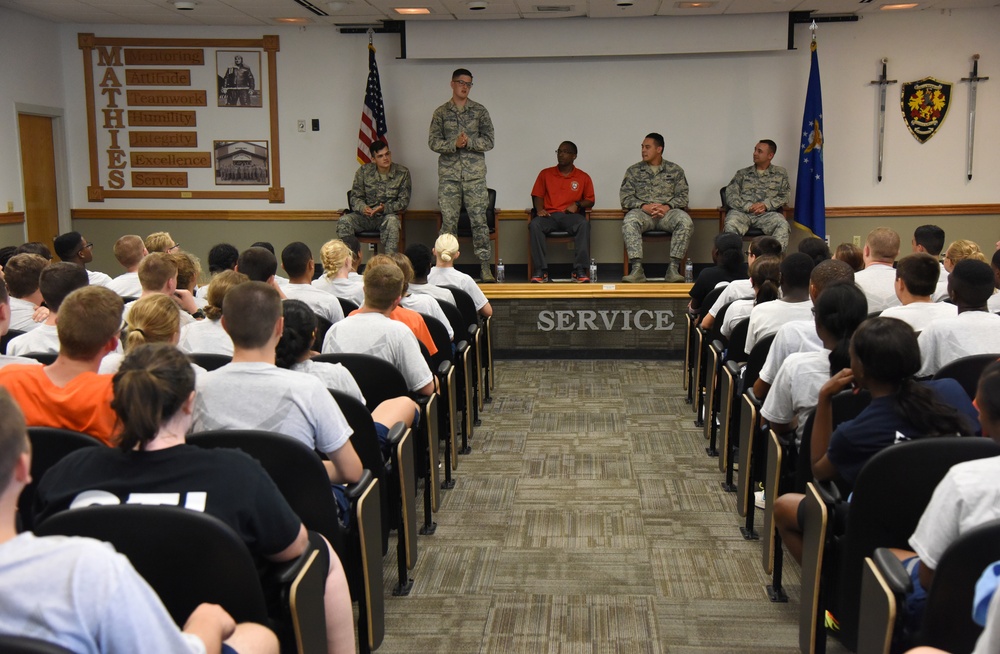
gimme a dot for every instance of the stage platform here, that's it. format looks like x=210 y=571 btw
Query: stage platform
x=566 y=320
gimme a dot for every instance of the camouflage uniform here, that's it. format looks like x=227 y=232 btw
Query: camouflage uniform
x=371 y=188
x=663 y=184
x=462 y=171
x=748 y=186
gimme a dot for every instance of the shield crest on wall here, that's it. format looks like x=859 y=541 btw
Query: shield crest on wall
x=925 y=103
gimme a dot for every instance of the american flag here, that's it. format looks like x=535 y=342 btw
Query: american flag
x=373 y=125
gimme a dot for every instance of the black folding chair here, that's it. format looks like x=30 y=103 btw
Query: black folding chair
x=48 y=447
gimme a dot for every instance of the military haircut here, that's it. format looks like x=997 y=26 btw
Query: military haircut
x=295 y=258
x=883 y=243
x=795 y=271
x=6 y=252
x=765 y=245
x=67 y=245
x=22 y=273
x=770 y=144
x=377 y=146
x=421 y=258
x=572 y=146
x=930 y=237
x=971 y=283
x=88 y=319
x=257 y=263
x=657 y=138
x=13 y=436
x=128 y=250
x=57 y=280
x=830 y=272
x=460 y=72
x=250 y=312
x=222 y=256
x=816 y=248
x=264 y=244
x=383 y=286
x=155 y=270
x=35 y=247
x=920 y=273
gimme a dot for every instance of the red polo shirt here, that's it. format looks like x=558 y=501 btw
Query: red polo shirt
x=558 y=191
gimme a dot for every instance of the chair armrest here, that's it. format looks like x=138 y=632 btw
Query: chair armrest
x=893 y=571
x=357 y=489
x=734 y=367
x=285 y=572
x=444 y=369
x=396 y=433
x=473 y=330
x=828 y=492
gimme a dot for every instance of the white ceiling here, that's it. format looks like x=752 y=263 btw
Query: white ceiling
x=267 y=12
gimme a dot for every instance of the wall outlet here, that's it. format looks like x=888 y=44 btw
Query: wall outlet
x=857 y=240
x=10 y=206
x=371 y=247
x=301 y=125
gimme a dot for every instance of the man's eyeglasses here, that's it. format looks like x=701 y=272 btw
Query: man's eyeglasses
x=463 y=83
x=88 y=246
x=174 y=248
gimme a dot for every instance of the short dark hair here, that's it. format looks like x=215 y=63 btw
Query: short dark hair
x=295 y=258
x=22 y=273
x=421 y=258
x=771 y=144
x=222 y=256
x=729 y=245
x=971 y=283
x=35 y=247
x=459 y=72
x=761 y=246
x=67 y=245
x=257 y=263
x=249 y=313
x=830 y=272
x=931 y=237
x=57 y=280
x=352 y=243
x=795 y=271
x=988 y=396
x=996 y=259
x=263 y=244
x=6 y=252
x=571 y=145
x=377 y=146
x=13 y=436
x=919 y=272
x=657 y=138
x=816 y=248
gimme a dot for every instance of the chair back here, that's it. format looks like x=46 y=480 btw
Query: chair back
x=465 y=225
x=44 y=358
x=756 y=359
x=455 y=319
x=708 y=301
x=25 y=645
x=467 y=308
x=6 y=338
x=209 y=360
x=846 y=405
x=439 y=334
x=378 y=379
x=322 y=327
x=187 y=557
x=48 y=447
x=715 y=334
x=966 y=371
x=736 y=347
x=347 y=306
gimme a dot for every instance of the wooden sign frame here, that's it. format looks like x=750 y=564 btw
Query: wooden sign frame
x=96 y=192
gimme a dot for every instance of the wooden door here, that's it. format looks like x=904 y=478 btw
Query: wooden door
x=38 y=169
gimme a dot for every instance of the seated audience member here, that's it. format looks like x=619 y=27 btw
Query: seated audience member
x=852 y=255
x=816 y=248
x=297 y=260
x=916 y=279
x=153 y=319
x=354 y=245
x=878 y=279
x=158 y=275
x=973 y=331
x=795 y=302
x=800 y=335
x=161 y=242
x=129 y=250
x=34 y=247
x=425 y=305
x=6 y=252
x=253 y=393
x=188 y=272
x=839 y=311
x=408 y=317
x=69 y=393
x=993 y=304
x=79 y=594
x=742 y=289
x=929 y=239
x=208 y=336
x=6 y=360
x=22 y=273
x=72 y=248
x=444 y=273
x=765 y=274
x=727 y=254
x=294 y=352
x=959 y=251
x=965 y=499
x=884 y=358
x=337 y=261
x=222 y=256
x=422 y=259
x=56 y=281
x=370 y=330
x=270 y=248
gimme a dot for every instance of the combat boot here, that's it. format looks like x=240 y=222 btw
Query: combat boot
x=636 y=276
x=672 y=276
x=485 y=274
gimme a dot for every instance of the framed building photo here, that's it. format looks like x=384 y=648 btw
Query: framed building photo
x=241 y=163
x=238 y=72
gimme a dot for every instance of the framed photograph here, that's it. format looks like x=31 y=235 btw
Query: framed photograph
x=241 y=163
x=238 y=72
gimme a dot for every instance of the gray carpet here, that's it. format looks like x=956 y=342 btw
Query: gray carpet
x=588 y=518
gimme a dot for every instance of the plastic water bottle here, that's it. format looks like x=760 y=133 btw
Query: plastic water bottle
x=689 y=272
x=593 y=270
x=500 y=274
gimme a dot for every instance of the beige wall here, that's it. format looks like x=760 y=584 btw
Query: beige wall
x=11 y=234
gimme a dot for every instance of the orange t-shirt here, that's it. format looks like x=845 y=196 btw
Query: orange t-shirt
x=558 y=191
x=415 y=322
x=83 y=405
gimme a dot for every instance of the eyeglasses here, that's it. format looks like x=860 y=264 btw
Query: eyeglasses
x=463 y=83
x=88 y=246
x=174 y=248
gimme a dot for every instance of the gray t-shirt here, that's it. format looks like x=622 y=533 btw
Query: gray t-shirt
x=387 y=339
x=333 y=375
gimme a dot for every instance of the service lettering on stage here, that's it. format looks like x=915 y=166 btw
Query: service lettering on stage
x=159 y=179
x=147 y=118
x=164 y=57
x=605 y=320
x=157 y=77
x=170 y=159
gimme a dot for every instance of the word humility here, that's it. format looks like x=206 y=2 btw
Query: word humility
x=605 y=320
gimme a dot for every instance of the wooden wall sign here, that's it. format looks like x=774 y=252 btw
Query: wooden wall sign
x=151 y=101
